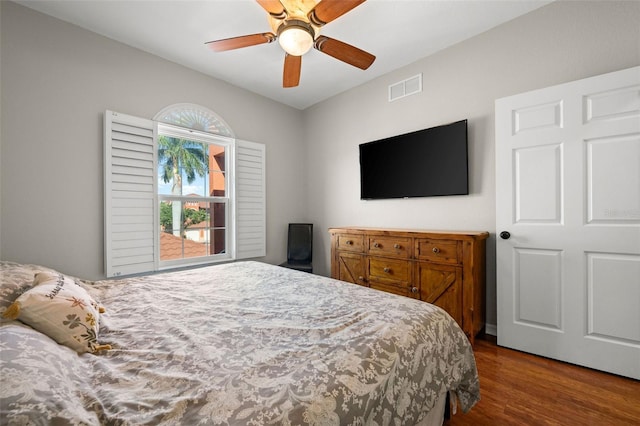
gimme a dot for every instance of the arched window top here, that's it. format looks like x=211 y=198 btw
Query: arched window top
x=195 y=117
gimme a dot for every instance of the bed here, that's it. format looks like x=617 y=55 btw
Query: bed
x=242 y=343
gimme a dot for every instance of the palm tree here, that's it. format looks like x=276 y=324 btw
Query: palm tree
x=177 y=156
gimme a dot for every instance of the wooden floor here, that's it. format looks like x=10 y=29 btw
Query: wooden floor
x=522 y=389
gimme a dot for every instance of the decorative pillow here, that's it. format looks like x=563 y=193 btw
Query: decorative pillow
x=60 y=308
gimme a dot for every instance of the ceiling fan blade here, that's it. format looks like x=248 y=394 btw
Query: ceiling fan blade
x=344 y=52
x=328 y=10
x=292 y=66
x=242 y=41
x=274 y=8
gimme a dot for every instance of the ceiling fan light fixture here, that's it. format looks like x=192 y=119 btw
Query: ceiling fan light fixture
x=295 y=37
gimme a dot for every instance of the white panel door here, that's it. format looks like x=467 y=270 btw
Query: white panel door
x=568 y=222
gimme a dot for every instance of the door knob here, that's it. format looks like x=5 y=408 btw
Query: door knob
x=505 y=235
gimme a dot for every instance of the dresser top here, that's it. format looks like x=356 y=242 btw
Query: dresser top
x=424 y=233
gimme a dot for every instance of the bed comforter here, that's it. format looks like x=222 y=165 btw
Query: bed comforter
x=241 y=344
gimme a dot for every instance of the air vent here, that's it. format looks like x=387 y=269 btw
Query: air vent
x=404 y=88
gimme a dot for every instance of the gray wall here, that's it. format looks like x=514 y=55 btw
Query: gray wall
x=57 y=81
x=557 y=43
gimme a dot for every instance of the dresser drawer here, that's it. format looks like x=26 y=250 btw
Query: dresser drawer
x=388 y=269
x=390 y=246
x=442 y=251
x=396 y=287
x=350 y=242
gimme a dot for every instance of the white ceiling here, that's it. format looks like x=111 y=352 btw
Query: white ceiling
x=397 y=32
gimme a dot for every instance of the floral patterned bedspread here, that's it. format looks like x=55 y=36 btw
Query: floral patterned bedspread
x=241 y=344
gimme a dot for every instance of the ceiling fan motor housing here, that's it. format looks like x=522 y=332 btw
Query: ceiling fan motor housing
x=296 y=36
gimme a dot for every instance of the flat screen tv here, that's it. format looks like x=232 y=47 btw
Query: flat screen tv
x=426 y=163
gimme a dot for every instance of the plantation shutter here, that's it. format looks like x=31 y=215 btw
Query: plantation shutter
x=250 y=200
x=131 y=236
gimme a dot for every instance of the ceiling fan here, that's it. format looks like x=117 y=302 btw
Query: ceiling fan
x=296 y=25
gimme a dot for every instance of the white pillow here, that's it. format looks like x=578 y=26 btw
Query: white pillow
x=60 y=308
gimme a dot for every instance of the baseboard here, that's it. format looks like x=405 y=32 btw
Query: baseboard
x=491 y=329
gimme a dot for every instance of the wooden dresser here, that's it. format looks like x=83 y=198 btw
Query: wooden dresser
x=446 y=268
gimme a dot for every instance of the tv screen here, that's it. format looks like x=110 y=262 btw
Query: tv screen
x=426 y=163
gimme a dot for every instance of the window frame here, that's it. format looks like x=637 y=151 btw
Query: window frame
x=164 y=129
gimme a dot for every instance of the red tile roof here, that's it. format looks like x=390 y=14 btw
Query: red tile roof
x=171 y=247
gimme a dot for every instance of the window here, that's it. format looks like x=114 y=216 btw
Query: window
x=176 y=196
x=193 y=195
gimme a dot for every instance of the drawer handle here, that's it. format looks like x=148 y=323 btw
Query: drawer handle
x=387 y=269
x=435 y=250
x=376 y=245
x=360 y=278
x=348 y=242
x=396 y=246
x=414 y=289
